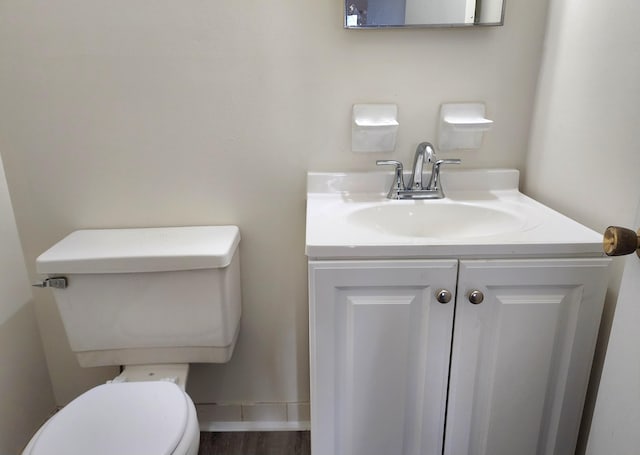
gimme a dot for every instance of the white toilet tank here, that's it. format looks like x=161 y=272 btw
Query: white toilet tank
x=150 y=295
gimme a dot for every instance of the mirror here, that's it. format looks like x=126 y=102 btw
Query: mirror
x=422 y=13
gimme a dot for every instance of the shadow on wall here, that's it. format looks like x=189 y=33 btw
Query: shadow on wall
x=25 y=388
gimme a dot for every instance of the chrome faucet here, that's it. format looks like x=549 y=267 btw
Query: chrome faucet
x=416 y=190
x=424 y=152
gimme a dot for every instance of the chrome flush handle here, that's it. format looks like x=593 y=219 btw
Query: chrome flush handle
x=57 y=282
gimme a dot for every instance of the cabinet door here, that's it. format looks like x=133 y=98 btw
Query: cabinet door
x=380 y=348
x=521 y=358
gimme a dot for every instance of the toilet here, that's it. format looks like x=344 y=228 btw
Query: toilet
x=151 y=300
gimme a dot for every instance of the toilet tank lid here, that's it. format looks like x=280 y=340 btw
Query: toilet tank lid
x=141 y=250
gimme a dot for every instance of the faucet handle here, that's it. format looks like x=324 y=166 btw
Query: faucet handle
x=398 y=178
x=434 y=181
x=388 y=162
x=435 y=171
x=447 y=161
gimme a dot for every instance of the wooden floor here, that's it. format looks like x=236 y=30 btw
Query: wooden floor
x=255 y=443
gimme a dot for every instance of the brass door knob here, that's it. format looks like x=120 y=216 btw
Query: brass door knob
x=618 y=241
x=476 y=297
x=443 y=296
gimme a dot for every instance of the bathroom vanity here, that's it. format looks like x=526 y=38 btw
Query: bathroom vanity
x=459 y=326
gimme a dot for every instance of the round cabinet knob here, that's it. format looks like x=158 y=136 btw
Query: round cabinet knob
x=476 y=297
x=443 y=296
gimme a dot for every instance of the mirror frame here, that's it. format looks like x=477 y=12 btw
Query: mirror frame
x=395 y=26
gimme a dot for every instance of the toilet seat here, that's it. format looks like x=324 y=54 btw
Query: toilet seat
x=137 y=418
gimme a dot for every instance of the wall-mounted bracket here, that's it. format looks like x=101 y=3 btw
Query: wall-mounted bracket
x=462 y=126
x=374 y=127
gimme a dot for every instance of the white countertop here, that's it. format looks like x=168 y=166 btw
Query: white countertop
x=334 y=198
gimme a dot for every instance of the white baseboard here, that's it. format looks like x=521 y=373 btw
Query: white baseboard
x=255 y=426
x=254 y=416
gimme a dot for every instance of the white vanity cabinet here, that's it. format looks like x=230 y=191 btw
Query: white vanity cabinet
x=396 y=372
x=380 y=350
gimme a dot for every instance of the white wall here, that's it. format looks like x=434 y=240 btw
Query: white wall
x=15 y=289
x=26 y=397
x=584 y=152
x=151 y=113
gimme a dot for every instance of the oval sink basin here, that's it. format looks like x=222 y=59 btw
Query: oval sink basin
x=429 y=219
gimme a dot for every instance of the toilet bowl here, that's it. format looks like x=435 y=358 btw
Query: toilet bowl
x=152 y=300
x=122 y=418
